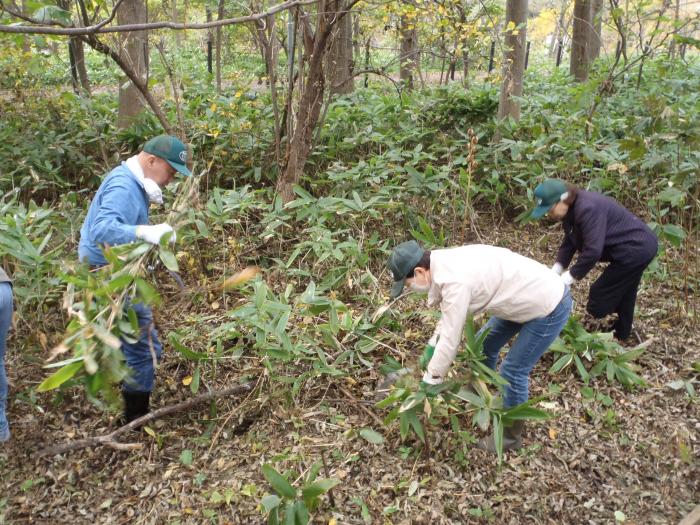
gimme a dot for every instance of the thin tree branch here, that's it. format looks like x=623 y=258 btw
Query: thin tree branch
x=110 y=439
x=99 y=28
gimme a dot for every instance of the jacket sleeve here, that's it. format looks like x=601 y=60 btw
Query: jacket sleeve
x=454 y=307
x=593 y=226
x=566 y=251
x=115 y=222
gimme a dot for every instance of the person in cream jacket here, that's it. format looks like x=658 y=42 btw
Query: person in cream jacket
x=523 y=297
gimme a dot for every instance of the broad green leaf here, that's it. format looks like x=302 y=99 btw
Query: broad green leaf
x=372 y=436
x=168 y=259
x=186 y=457
x=59 y=377
x=189 y=354
x=301 y=513
x=194 y=385
x=498 y=436
x=147 y=292
x=278 y=482
x=270 y=501
x=316 y=489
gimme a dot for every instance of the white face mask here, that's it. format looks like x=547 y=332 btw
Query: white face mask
x=419 y=287
x=155 y=194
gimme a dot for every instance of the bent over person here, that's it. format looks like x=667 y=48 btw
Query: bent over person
x=118 y=214
x=524 y=298
x=599 y=229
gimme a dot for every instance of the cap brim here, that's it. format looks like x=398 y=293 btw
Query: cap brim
x=181 y=168
x=397 y=288
x=540 y=211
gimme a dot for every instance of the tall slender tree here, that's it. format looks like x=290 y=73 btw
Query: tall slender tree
x=580 y=40
x=316 y=43
x=596 y=37
x=409 y=52
x=340 y=58
x=133 y=50
x=513 y=59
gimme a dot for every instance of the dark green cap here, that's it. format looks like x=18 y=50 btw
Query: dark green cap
x=170 y=149
x=547 y=195
x=402 y=261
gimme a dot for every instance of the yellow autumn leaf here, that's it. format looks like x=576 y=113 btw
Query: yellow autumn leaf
x=187 y=380
x=213 y=108
x=332 y=521
x=242 y=277
x=553 y=433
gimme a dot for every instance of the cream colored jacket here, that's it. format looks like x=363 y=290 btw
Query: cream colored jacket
x=479 y=278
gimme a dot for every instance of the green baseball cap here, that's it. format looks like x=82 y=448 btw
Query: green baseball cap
x=402 y=261
x=547 y=195
x=171 y=150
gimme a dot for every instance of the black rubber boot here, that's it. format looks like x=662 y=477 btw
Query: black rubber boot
x=135 y=405
x=512 y=438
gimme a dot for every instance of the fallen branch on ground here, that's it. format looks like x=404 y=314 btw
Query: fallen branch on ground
x=109 y=440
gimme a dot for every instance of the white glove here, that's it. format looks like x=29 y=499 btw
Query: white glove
x=431 y=380
x=557 y=268
x=154 y=233
x=567 y=278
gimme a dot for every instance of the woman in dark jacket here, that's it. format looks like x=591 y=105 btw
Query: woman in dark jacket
x=599 y=229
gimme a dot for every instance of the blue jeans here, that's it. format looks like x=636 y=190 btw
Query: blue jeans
x=534 y=337
x=5 y=320
x=138 y=355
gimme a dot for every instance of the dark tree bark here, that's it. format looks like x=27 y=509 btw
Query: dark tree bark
x=409 y=57
x=219 y=34
x=596 y=36
x=81 y=68
x=513 y=59
x=133 y=51
x=312 y=86
x=340 y=58
x=176 y=18
x=580 y=59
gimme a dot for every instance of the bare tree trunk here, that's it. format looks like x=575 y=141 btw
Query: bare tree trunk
x=176 y=18
x=79 y=54
x=676 y=17
x=356 y=37
x=465 y=68
x=580 y=44
x=409 y=52
x=210 y=43
x=312 y=87
x=219 y=34
x=513 y=59
x=340 y=62
x=133 y=49
x=596 y=36
x=73 y=69
x=559 y=29
x=26 y=41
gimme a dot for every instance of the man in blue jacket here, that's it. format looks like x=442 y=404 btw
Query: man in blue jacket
x=118 y=214
x=599 y=229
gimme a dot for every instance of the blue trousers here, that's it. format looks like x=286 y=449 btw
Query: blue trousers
x=5 y=320
x=534 y=337
x=143 y=355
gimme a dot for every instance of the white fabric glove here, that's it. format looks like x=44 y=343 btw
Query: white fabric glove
x=153 y=233
x=428 y=378
x=567 y=278
x=557 y=268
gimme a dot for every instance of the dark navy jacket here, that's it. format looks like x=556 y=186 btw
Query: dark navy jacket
x=600 y=229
